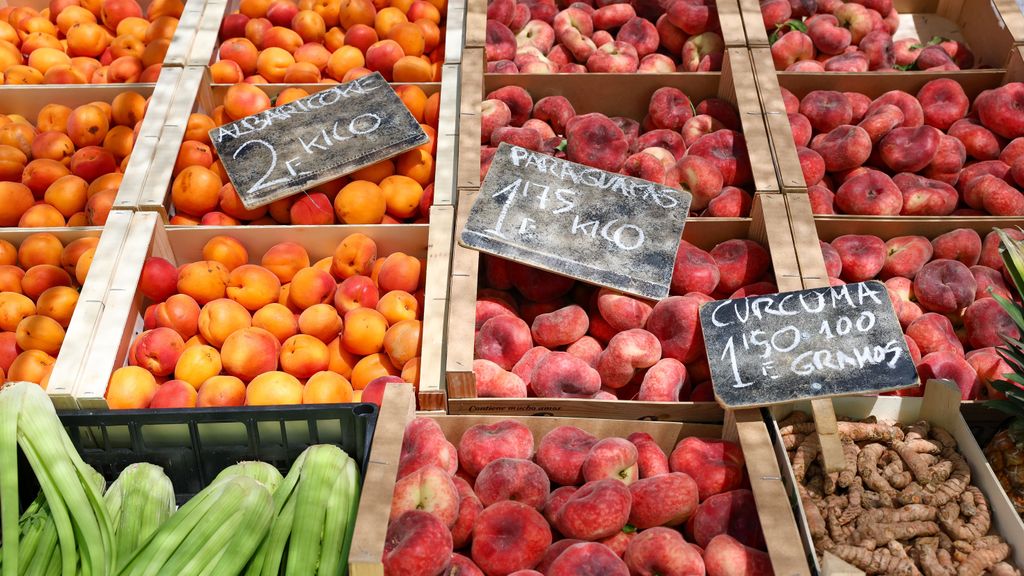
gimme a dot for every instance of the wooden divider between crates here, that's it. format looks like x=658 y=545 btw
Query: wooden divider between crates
x=753 y=23
x=768 y=226
x=784 y=154
x=184 y=35
x=431 y=390
x=198 y=93
x=471 y=89
x=476 y=24
x=446 y=158
x=455 y=31
x=871 y=84
x=990 y=28
x=748 y=429
x=123 y=310
x=397 y=410
x=940 y=406
x=140 y=163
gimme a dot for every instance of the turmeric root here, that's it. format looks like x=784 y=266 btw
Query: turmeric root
x=850 y=452
x=903 y=504
x=867 y=464
x=1003 y=569
x=926 y=551
x=854 y=431
x=915 y=464
x=939 y=494
x=908 y=513
x=886 y=532
x=880 y=561
x=975 y=528
x=982 y=559
x=805 y=454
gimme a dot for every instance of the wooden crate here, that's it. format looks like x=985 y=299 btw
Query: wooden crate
x=29 y=100
x=748 y=428
x=607 y=93
x=124 y=305
x=940 y=406
x=728 y=16
x=84 y=321
x=769 y=226
x=181 y=43
x=991 y=28
x=872 y=84
x=604 y=93
x=197 y=93
x=206 y=45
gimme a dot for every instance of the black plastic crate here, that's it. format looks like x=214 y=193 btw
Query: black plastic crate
x=194 y=445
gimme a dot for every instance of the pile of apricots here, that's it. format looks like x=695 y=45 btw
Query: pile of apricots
x=86 y=41
x=224 y=332
x=313 y=41
x=65 y=170
x=392 y=191
x=39 y=282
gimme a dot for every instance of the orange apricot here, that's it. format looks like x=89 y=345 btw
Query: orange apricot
x=397 y=306
x=198 y=128
x=327 y=387
x=131 y=388
x=273 y=388
x=360 y=202
x=276 y=319
x=285 y=260
x=363 y=331
x=221 y=391
x=220 y=318
x=204 y=281
x=15 y=199
x=371 y=367
x=196 y=190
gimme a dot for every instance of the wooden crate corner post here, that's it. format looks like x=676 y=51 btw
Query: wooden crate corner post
x=778 y=524
x=397 y=410
x=431 y=392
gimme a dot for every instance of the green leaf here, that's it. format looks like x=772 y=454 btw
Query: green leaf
x=1012 y=252
x=794 y=25
x=936 y=40
x=1011 y=355
x=629 y=528
x=561 y=147
x=1004 y=406
x=903 y=67
x=784 y=27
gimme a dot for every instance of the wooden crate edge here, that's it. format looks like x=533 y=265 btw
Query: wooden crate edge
x=397 y=410
x=431 y=390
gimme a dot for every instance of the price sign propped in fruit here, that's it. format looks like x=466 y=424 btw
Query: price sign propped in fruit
x=582 y=222
x=815 y=343
x=286 y=149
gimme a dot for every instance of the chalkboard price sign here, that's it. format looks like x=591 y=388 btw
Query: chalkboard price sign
x=821 y=342
x=289 y=148
x=589 y=224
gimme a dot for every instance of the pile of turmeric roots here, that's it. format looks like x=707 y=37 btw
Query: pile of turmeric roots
x=902 y=506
